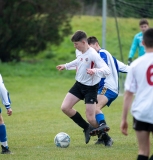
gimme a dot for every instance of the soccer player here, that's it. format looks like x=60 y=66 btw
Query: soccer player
x=108 y=89
x=139 y=82
x=137 y=41
x=4 y=95
x=90 y=68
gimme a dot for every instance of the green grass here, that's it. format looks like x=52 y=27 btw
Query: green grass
x=37 y=90
x=92 y=25
x=37 y=118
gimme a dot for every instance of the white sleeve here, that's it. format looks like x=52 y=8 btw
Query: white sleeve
x=4 y=95
x=130 y=82
x=71 y=65
x=122 y=67
x=102 y=70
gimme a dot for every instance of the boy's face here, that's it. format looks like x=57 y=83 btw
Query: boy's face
x=79 y=45
x=144 y=27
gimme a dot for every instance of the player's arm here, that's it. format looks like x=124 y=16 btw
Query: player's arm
x=4 y=95
x=133 y=49
x=101 y=70
x=68 y=66
x=130 y=88
x=122 y=67
x=128 y=97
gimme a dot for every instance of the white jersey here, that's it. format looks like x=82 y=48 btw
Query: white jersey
x=139 y=80
x=4 y=94
x=115 y=66
x=89 y=60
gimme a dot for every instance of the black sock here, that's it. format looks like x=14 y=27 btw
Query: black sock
x=102 y=122
x=141 y=157
x=77 y=118
x=151 y=158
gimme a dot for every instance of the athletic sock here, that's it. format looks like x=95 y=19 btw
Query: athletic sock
x=77 y=118
x=142 y=157
x=151 y=158
x=100 y=118
x=3 y=137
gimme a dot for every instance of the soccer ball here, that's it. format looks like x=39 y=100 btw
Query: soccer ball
x=62 y=140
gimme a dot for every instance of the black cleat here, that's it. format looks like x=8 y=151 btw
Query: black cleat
x=102 y=128
x=86 y=133
x=5 y=150
x=105 y=139
x=100 y=139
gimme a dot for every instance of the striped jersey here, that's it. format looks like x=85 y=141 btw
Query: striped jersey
x=112 y=81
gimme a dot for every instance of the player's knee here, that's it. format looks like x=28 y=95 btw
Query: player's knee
x=64 y=109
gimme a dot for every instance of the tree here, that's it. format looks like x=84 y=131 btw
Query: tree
x=29 y=25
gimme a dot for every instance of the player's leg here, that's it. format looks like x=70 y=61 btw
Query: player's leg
x=90 y=114
x=3 y=136
x=70 y=100
x=105 y=97
x=100 y=116
x=144 y=145
x=103 y=138
x=67 y=105
x=90 y=94
x=143 y=130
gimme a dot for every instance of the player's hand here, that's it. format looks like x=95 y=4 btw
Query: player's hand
x=124 y=127
x=9 y=112
x=60 y=67
x=129 y=61
x=90 y=71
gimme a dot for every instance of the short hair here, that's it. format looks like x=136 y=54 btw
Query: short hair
x=78 y=36
x=148 y=38
x=92 y=40
x=143 y=21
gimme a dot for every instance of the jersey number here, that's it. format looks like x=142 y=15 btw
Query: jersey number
x=150 y=75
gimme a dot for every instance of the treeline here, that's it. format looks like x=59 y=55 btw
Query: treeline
x=28 y=27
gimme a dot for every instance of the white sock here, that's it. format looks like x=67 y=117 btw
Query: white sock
x=5 y=144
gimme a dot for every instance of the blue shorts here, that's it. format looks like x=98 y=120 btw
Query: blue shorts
x=111 y=96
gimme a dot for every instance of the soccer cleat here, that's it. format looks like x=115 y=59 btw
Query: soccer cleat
x=5 y=150
x=100 y=139
x=86 y=133
x=102 y=128
x=105 y=139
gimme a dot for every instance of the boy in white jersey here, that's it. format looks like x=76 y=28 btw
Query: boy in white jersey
x=90 y=68
x=139 y=81
x=108 y=88
x=4 y=95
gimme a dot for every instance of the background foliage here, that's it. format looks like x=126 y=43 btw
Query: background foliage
x=27 y=27
x=31 y=26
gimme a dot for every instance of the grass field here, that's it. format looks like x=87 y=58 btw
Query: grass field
x=37 y=118
x=37 y=91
